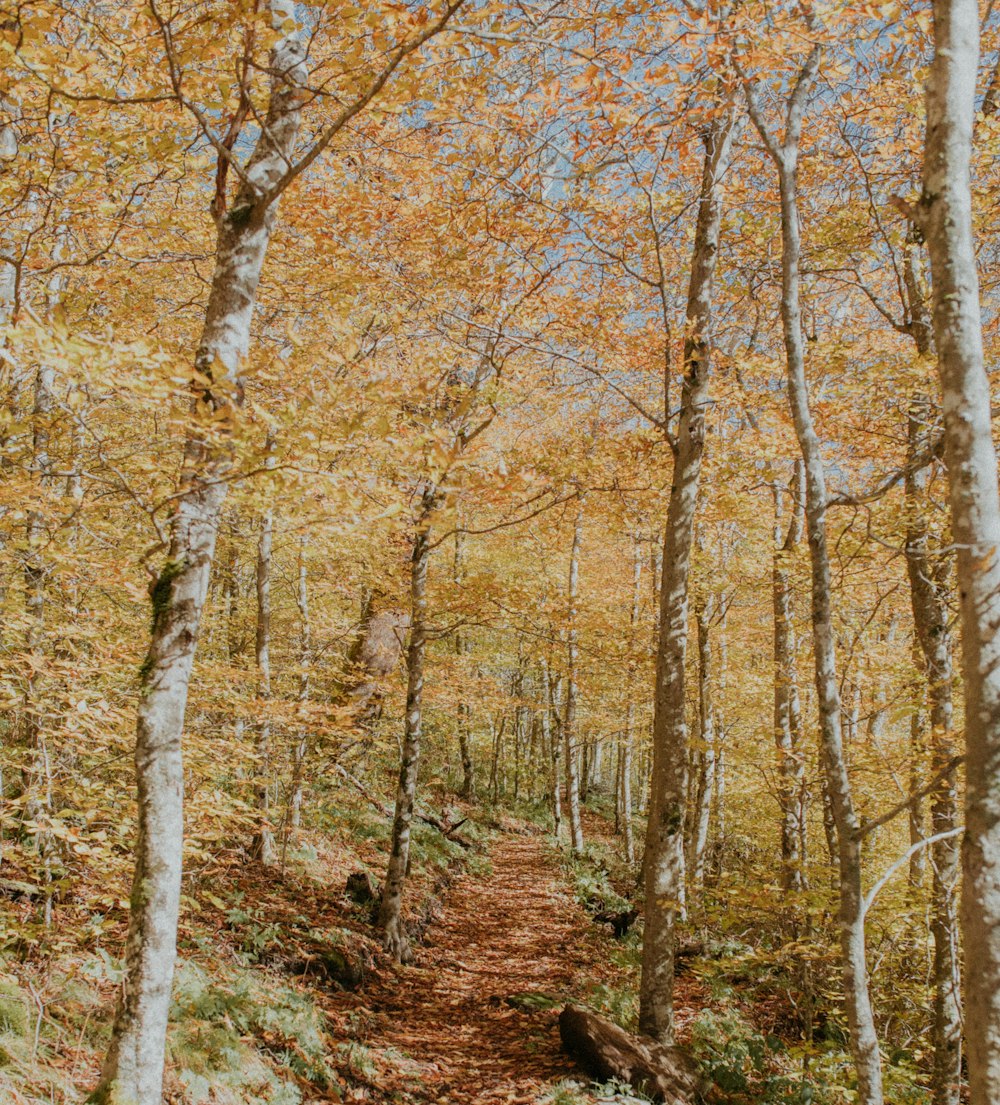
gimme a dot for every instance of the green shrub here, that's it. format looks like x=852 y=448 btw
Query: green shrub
x=747 y=1065
x=224 y=1028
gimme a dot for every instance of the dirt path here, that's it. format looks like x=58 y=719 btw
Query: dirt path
x=446 y=1025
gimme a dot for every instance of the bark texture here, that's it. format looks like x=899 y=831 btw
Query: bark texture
x=945 y=214
x=664 y=856
x=701 y=810
x=787 y=706
x=569 y=717
x=928 y=569
x=864 y=1042
x=463 y=710
x=133 y=1069
x=608 y=1052
x=390 y=918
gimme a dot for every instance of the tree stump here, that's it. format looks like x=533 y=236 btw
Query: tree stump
x=606 y=1051
x=361 y=889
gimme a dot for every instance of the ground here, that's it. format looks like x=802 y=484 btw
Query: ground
x=261 y=1002
x=516 y=933
x=475 y=1019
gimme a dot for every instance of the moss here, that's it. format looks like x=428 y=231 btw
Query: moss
x=162 y=590
x=161 y=596
x=240 y=217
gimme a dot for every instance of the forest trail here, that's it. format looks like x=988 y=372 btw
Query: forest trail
x=516 y=932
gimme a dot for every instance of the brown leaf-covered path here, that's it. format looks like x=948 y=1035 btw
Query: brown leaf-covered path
x=446 y=1026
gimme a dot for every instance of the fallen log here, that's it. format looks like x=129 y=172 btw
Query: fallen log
x=607 y=1052
x=17 y=890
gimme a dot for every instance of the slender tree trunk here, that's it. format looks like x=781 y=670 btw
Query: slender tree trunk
x=468 y=791
x=930 y=601
x=946 y=218
x=232 y=596
x=263 y=844
x=787 y=707
x=864 y=1041
x=520 y=717
x=664 y=854
x=569 y=720
x=300 y=747
x=915 y=783
x=133 y=1067
x=38 y=807
x=496 y=768
x=628 y=740
x=706 y=774
x=390 y=914
x=552 y=724
x=721 y=822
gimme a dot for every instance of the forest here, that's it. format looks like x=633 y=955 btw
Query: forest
x=499 y=593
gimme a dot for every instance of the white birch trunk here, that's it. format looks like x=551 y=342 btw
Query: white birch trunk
x=945 y=214
x=133 y=1067
x=864 y=1042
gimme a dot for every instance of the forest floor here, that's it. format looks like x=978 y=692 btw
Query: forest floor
x=504 y=943
x=475 y=1019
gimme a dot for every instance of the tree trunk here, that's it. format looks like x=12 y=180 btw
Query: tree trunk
x=721 y=821
x=706 y=773
x=787 y=707
x=133 y=1067
x=569 y=719
x=468 y=791
x=300 y=748
x=38 y=807
x=946 y=216
x=915 y=783
x=664 y=854
x=263 y=844
x=390 y=914
x=930 y=602
x=552 y=727
x=608 y=1053
x=864 y=1042
x=628 y=739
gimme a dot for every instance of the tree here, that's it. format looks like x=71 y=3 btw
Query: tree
x=945 y=216
x=784 y=151
x=664 y=856
x=133 y=1068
